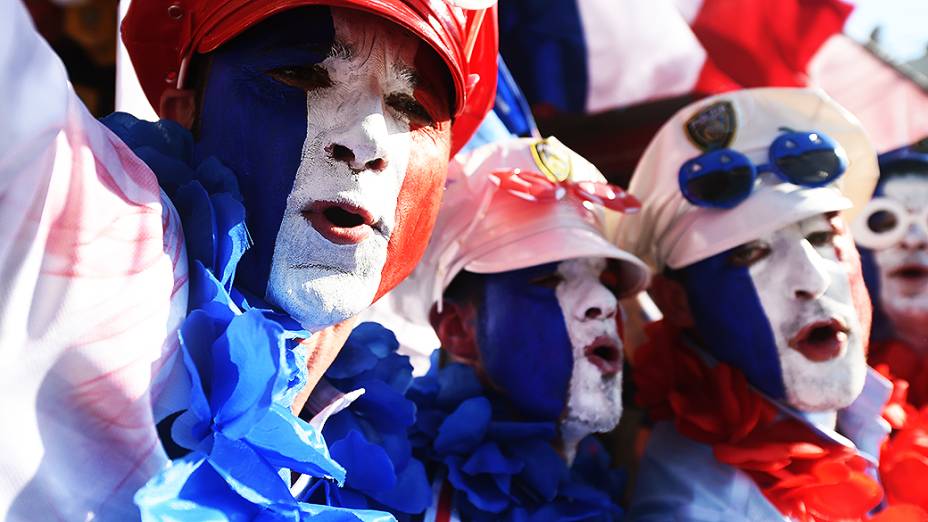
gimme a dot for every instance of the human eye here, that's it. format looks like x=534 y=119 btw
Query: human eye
x=303 y=77
x=411 y=109
x=748 y=254
x=821 y=238
x=549 y=281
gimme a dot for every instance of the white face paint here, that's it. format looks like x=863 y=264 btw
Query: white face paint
x=903 y=267
x=805 y=291
x=332 y=242
x=594 y=403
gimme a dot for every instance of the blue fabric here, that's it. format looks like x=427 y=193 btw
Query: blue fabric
x=731 y=320
x=257 y=126
x=511 y=106
x=243 y=361
x=370 y=437
x=544 y=46
x=501 y=468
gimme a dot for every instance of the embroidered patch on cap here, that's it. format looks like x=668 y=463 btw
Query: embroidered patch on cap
x=552 y=158
x=713 y=127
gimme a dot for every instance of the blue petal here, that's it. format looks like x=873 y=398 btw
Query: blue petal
x=287 y=441
x=465 y=427
x=231 y=237
x=249 y=475
x=167 y=137
x=217 y=178
x=510 y=431
x=458 y=383
x=385 y=408
x=246 y=360
x=188 y=489
x=351 y=361
x=368 y=466
x=318 y=513
x=482 y=492
x=339 y=425
x=374 y=338
x=487 y=458
x=412 y=493
x=544 y=468
x=397 y=446
x=196 y=337
x=198 y=216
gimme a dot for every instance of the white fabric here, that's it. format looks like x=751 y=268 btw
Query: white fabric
x=637 y=51
x=672 y=232
x=92 y=286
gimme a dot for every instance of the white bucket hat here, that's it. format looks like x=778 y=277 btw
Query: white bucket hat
x=672 y=232
x=510 y=205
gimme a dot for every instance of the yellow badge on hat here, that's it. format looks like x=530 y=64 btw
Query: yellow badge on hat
x=552 y=158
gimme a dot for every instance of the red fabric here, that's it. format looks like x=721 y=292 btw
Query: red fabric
x=160 y=34
x=897 y=360
x=757 y=43
x=904 y=463
x=804 y=476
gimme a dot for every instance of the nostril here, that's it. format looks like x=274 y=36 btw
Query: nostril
x=376 y=164
x=340 y=153
x=593 y=312
x=803 y=295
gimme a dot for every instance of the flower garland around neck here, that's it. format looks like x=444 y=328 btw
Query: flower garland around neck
x=370 y=436
x=804 y=476
x=502 y=469
x=244 y=363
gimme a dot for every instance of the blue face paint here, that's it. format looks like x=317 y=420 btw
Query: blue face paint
x=731 y=320
x=523 y=341
x=256 y=126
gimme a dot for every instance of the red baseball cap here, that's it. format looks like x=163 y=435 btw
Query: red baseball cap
x=162 y=35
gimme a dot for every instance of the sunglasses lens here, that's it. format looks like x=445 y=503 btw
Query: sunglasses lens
x=721 y=188
x=881 y=221
x=817 y=167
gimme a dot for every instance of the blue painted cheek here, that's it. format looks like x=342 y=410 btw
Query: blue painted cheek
x=523 y=342
x=731 y=320
x=257 y=126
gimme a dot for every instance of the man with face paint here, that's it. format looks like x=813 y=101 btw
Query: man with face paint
x=757 y=377
x=320 y=141
x=893 y=236
x=522 y=290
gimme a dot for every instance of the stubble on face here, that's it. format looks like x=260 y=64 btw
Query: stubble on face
x=805 y=289
x=363 y=136
x=594 y=402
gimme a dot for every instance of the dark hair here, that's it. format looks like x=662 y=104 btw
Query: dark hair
x=466 y=287
x=903 y=167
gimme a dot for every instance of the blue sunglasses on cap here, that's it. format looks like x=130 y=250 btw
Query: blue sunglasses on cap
x=723 y=178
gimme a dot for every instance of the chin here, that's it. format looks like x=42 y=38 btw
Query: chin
x=321 y=284
x=828 y=385
x=595 y=402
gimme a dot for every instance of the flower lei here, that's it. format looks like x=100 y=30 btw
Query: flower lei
x=805 y=477
x=370 y=437
x=500 y=468
x=898 y=360
x=244 y=362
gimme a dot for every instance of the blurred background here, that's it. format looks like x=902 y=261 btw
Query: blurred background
x=603 y=75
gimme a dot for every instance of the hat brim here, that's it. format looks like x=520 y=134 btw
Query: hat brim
x=560 y=244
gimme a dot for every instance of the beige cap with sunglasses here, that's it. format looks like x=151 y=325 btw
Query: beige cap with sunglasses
x=672 y=232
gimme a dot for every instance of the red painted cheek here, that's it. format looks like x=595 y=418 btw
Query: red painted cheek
x=847 y=253
x=416 y=206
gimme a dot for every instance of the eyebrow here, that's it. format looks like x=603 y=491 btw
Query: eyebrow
x=341 y=50
x=408 y=74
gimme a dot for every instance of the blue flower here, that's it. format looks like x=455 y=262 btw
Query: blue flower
x=500 y=468
x=243 y=362
x=370 y=437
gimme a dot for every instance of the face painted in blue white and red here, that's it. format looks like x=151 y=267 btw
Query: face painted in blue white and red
x=548 y=339
x=337 y=124
x=789 y=309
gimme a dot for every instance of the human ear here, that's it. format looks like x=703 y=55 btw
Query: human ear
x=455 y=326
x=179 y=105
x=671 y=298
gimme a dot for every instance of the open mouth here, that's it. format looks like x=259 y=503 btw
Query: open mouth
x=911 y=273
x=821 y=341
x=340 y=223
x=604 y=353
